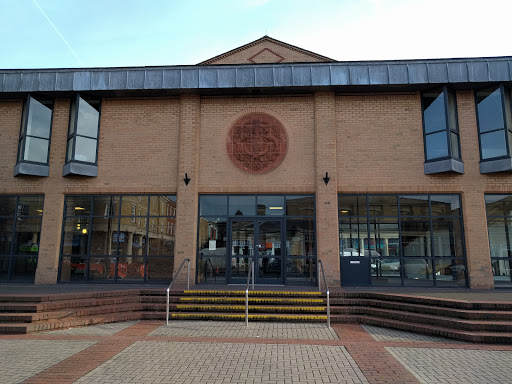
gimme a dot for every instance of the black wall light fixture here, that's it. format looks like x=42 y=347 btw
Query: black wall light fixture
x=186 y=179
x=326 y=178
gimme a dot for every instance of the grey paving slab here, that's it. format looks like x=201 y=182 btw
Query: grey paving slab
x=221 y=329
x=169 y=362
x=388 y=334
x=453 y=366
x=95 y=330
x=21 y=359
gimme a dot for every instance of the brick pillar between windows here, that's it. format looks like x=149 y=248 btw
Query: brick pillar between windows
x=477 y=240
x=326 y=195
x=187 y=200
x=49 y=246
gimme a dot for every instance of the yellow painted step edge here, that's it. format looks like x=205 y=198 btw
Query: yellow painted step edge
x=292 y=293
x=251 y=299
x=210 y=307
x=253 y=316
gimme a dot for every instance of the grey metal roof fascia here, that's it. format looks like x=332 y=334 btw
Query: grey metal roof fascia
x=356 y=73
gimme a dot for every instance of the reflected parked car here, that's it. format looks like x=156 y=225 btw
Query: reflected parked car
x=350 y=252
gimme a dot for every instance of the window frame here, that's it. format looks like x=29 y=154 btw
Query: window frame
x=72 y=135
x=448 y=129
x=507 y=125
x=23 y=130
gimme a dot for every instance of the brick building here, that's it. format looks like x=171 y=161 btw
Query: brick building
x=393 y=173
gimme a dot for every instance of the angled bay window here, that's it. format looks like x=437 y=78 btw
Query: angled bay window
x=34 y=142
x=494 y=128
x=82 y=145
x=441 y=132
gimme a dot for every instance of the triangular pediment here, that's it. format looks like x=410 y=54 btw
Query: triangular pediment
x=267 y=50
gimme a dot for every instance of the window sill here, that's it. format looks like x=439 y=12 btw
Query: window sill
x=442 y=166
x=80 y=169
x=501 y=165
x=31 y=169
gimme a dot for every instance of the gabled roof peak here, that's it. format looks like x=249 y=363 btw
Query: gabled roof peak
x=266 y=50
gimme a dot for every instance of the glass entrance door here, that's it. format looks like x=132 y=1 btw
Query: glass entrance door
x=259 y=241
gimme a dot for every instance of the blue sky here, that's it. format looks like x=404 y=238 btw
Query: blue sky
x=118 y=33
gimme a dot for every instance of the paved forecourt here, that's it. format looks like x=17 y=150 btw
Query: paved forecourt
x=230 y=352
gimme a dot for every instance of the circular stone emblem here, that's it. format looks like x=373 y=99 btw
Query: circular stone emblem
x=257 y=143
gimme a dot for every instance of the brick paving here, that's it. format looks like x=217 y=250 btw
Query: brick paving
x=229 y=352
x=231 y=329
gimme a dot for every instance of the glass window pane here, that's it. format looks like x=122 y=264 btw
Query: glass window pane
x=69 y=153
x=160 y=243
x=240 y=267
x=131 y=268
x=300 y=205
x=130 y=236
x=490 y=111
x=445 y=205
x=72 y=269
x=386 y=272
x=85 y=149
x=447 y=237
x=384 y=237
x=107 y=205
x=493 y=144
x=102 y=268
x=352 y=236
x=383 y=205
x=416 y=237
x=7 y=205
x=271 y=205
x=301 y=271
x=454 y=142
x=160 y=268
x=211 y=270
x=501 y=270
x=352 y=205
x=39 y=119
x=452 y=111
x=104 y=236
x=450 y=273
x=23 y=268
x=74 y=238
x=4 y=268
x=242 y=205
x=163 y=205
x=434 y=111
x=418 y=272
x=19 y=157
x=436 y=145
x=129 y=201
x=414 y=205
x=27 y=235
x=88 y=118
x=72 y=112
x=212 y=236
x=300 y=237
x=498 y=205
x=36 y=150
x=213 y=205
x=6 y=231
x=78 y=205
x=499 y=236
x=32 y=205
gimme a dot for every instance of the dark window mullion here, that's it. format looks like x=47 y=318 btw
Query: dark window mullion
x=503 y=109
x=432 y=253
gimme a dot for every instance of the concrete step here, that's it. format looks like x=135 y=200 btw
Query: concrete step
x=68 y=322
x=252 y=293
x=252 y=308
x=254 y=300
x=285 y=317
x=66 y=304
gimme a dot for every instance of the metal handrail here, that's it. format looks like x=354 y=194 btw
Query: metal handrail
x=326 y=290
x=249 y=276
x=172 y=282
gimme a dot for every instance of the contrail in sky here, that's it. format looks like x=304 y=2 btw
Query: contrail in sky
x=60 y=34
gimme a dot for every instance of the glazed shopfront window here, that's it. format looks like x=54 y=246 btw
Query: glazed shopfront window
x=411 y=240
x=20 y=233
x=102 y=240
x=499 y=225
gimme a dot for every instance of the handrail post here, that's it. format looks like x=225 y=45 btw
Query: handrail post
x=250 y=274
x=172 y=282
x=318 y=274
x=328 y=311
x=167 y=308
